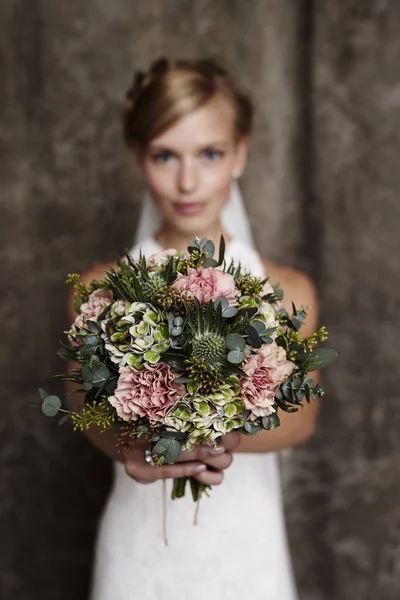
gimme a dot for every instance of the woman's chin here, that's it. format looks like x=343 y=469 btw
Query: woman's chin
x=194 y=226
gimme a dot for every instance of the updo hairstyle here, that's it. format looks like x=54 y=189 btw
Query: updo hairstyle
x=171 y=90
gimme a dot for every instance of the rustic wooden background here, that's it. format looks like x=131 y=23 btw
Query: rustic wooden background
x=323 y=193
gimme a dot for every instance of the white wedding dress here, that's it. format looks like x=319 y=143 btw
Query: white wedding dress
x=238 y=550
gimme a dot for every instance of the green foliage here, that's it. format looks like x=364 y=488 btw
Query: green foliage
x=166 y=450
x=51 y=405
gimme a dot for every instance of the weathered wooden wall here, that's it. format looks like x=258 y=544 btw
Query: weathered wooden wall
x=322 y=190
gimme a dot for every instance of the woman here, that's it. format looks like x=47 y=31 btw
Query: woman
x=188 y=127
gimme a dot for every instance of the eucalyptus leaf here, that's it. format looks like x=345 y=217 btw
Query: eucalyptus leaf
x=230 y=312
x=169 y=449
x=209 y=250
x=50 y=406
x=101 y=373
x=319 y=358
x=93 y=326
x=43 y=394
x=258 y=326
x=234 y=341
x=223 y=302
x=210 y=262
x=87 y=373
x=236 y=356
x=87 y=386
x=63 y=420
x=271 y=422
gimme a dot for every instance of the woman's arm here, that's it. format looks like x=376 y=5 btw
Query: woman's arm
x=295 y=428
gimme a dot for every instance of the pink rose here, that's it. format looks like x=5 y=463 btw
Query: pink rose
x=161 y=258
x=147 y=393
x=266 y=370
x=207 y=284
x=90 y=310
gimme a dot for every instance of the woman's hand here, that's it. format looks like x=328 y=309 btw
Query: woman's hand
x=205 y=463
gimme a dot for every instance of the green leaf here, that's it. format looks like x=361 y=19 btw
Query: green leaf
x=67 y=353
x=101 y=373
x=77 y=305
x=230 y=312
x=50 y=406
x=169 y=449
x=174 y=435
x=236 y=356
x=93 y=326
x=183 y=379
x=234 y=341
x=87 y=386
x=271 y=422
x=258 y=326
x=250 y=428
x=254 y=338
x=209 y=262
x=319 y=358
x=221 y=250
x=209 y=250
x=223 y=302
x=43 y=393
x=63 y=420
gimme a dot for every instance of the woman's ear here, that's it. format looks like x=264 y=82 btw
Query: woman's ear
x=242 y=146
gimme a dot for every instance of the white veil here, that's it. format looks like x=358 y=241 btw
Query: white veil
x=234 y=218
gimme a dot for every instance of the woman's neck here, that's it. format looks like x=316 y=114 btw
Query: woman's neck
x=167 y=237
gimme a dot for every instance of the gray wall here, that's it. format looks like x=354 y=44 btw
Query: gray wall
x=322 y=192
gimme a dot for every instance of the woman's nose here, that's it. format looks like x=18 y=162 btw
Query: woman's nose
x=187 y=177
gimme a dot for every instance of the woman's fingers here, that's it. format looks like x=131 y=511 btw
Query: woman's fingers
x=142 y=472
x=219 y=457
x=209 y=477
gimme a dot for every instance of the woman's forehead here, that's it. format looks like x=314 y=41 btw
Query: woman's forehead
x=212 y=124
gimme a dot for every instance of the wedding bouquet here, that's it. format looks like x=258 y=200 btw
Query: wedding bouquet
x=181 y=349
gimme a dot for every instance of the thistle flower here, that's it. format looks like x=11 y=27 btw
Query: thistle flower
x=209 y=347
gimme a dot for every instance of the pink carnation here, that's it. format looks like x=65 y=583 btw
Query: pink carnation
x=147 y=393
x=266 y=370
x=90 y=310
x=207 y=284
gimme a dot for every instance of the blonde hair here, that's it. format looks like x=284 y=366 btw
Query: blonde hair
x=171 y=90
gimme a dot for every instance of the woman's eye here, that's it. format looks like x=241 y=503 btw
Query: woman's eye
x=162 y=157
x=211 y=154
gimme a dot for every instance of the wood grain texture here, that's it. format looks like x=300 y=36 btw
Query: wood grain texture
x=322 y=191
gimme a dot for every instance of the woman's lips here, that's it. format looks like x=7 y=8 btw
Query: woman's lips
x=189 y=208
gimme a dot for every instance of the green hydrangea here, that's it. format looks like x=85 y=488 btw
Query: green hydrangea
x=211 y=416
x=135 y=333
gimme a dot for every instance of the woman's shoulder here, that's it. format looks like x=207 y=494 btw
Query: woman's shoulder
x=298 y=288
x=97 y=271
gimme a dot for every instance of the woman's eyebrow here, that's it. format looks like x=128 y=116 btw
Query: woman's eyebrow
x=223 y=144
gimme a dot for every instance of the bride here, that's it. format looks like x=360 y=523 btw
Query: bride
x=188 y=127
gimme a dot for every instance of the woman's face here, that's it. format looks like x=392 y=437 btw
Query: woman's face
x=189 y=168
